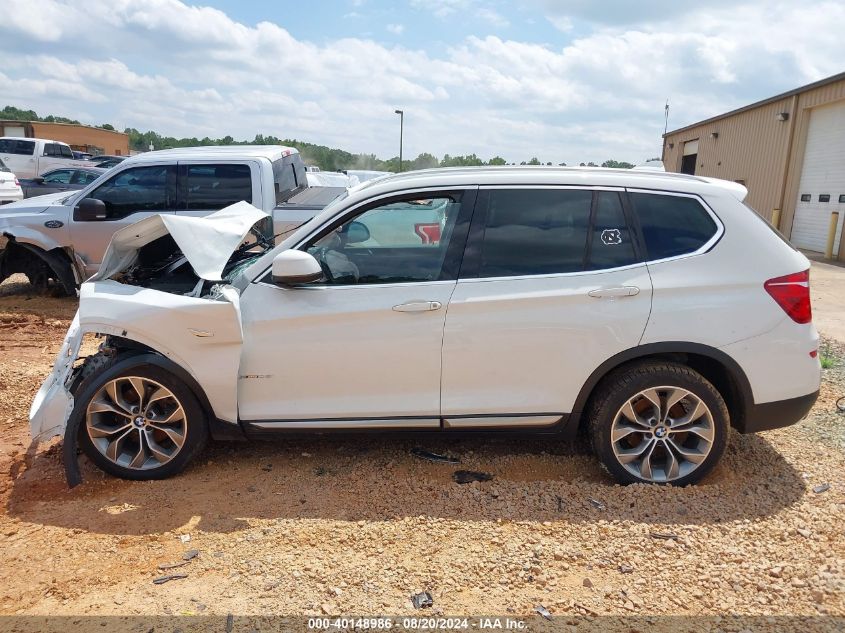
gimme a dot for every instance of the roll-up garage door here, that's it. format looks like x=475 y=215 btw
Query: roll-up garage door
x=822 y=188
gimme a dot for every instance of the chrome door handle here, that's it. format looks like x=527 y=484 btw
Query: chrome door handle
x=418 y=306
x=621 y=291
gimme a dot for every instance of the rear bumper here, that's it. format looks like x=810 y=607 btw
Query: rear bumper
x=775 y=415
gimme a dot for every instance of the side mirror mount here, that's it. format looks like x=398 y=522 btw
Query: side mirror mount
x=38 y=180
x=293 y=267
x=90 y=209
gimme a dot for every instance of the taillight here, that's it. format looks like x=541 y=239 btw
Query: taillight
x=792 y=293
x=17 y=183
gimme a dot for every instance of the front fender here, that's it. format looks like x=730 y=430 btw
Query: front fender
x=33 y=237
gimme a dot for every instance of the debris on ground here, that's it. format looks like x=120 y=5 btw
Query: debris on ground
x=543 y=611
x=185 y=538
x=597 y=504
x=665 y=536
x=821 y=488
x=191 y=554
x=165 y=566
x=468 y=476
x=163 y=579
x=626 y=569
x=434 y=457
x=422 y=600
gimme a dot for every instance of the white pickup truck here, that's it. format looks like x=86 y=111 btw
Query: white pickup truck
x=59 y=239
x=31 y=157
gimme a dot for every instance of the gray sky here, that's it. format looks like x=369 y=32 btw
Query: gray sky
x=565 y=81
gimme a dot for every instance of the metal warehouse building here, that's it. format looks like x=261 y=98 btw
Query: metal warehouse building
x=789 y=150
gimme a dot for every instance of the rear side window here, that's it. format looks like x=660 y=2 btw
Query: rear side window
x=12 y=146
x=672 y=225
x=212 y=187
x=611 y=245
x=535 y=232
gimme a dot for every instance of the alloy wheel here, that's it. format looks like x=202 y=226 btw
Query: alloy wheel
x=136 y=423
x=662 y=434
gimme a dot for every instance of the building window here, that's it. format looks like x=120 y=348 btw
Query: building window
x=805 y=197
x=824 y=197
x=842 y=197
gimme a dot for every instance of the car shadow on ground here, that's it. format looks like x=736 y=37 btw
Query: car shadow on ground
x=377 y=479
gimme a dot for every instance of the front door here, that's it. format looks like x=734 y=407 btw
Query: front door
x=360 y=349
x=129 y=196
x=551 y=287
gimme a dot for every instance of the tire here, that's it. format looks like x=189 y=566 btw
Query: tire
x=653 y=445
x=132 y=436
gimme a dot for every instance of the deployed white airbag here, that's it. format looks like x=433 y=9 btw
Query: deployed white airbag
x=207 y=242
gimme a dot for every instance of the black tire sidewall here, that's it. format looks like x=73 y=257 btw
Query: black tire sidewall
x=196 y=427
x=624 y=385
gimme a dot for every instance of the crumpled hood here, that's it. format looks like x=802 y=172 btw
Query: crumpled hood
x=36 y=204
x=206 y=242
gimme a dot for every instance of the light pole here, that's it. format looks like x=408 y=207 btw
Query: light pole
x=401 y=114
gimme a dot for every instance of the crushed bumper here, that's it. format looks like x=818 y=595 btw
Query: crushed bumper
x=53 y=404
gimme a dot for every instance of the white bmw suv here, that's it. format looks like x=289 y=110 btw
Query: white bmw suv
x=651 y=312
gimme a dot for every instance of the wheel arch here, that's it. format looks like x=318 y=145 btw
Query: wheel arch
x=716 y=366
x=128 y=353
x=130 y=348
x=55 y=258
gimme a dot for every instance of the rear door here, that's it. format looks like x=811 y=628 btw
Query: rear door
x=551 y=286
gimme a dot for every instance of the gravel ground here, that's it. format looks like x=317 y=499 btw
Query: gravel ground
x=355 y=526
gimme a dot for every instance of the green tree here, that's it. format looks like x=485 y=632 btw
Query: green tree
x=617 y=164
x=497 y=160
x=534 y=161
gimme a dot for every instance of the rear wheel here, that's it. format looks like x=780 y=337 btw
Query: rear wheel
x=658 y=423
x=138 y=422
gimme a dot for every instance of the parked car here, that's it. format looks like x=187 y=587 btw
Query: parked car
x=625 y=305
x=59 y=239
x=31 y=157
x=10 y=187
x=82 y=155
x=106 y=161
x=364 y=175
x=57 y=180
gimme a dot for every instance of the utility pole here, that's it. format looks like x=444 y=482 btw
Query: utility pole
x=401 y=114
x=666 y=119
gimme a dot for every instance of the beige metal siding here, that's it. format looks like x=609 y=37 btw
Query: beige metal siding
x=751 y=146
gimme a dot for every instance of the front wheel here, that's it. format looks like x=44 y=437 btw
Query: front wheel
x=658 y=423
x=138 y=421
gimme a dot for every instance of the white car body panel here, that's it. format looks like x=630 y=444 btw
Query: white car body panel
x=541 y=335
x=377 y=361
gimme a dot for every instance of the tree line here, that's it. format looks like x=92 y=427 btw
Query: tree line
x=327 y=158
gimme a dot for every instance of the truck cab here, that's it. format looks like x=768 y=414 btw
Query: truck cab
x=31 y=157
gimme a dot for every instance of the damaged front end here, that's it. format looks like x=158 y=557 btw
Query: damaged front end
x=163 y=288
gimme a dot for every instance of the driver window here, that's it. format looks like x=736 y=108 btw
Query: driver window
x=398 y=242
x=137 y=189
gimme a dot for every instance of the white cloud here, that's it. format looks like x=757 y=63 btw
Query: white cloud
x=396 y=29
x=193 y=71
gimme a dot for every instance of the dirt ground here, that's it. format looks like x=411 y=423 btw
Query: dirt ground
x=355 y=526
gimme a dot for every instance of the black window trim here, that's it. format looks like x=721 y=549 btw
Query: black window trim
x=455 y=255
x=472 y=256
x=707 y=246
